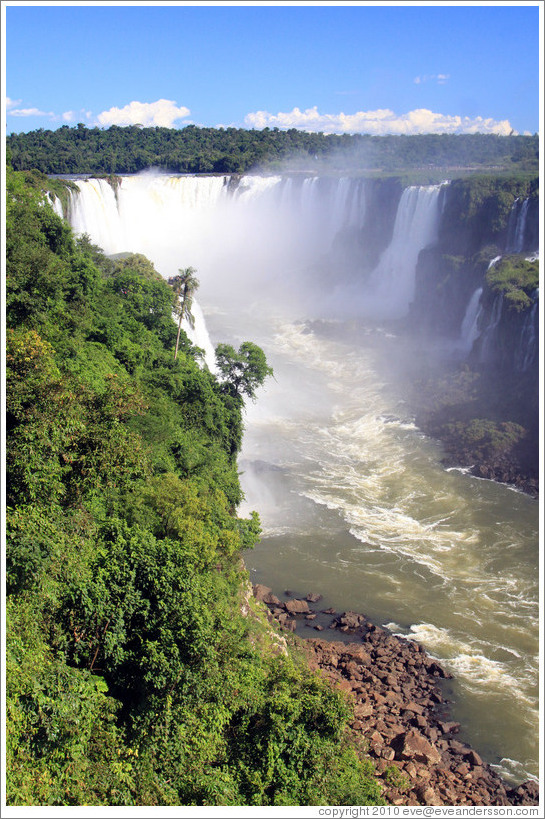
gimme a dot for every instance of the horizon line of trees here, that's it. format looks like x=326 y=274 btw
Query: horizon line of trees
x=129 y=149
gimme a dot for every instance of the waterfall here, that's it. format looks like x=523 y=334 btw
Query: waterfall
x=392 y=283
x=527 y=350
x=516 y=227
x=265 y=233
x=470 y=324
x=198 y=336
x=488 y=336
x=56 y=204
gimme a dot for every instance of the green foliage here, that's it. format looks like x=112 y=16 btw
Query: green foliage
x=396 y=779
x=243 y=371
x=122 y=150
x=132 y=676
x=483 y=203
x=486 y=438
x=516 y=278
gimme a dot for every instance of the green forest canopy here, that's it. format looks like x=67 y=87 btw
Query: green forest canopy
x=236 y=150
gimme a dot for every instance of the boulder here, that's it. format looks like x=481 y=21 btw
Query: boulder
x=412 y=745
x=351 y=620
x=297 y=607
x=261 y=591
x=312 y=597
x=474 y=759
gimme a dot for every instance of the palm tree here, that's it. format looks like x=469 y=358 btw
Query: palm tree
x=184 y=285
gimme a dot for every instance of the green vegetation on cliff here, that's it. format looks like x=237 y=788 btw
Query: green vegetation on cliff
x=135 y=675
x=121 y=150
x=516 y=278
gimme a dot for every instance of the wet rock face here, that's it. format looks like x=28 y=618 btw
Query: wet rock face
x=400 y=710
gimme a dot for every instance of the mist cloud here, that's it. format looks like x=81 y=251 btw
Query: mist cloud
x=379 y=122
x=162 y=113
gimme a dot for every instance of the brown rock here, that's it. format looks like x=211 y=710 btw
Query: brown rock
x=271 y=599
x=474 y=759
x=363 y=709
x=312 y=597
x=412 y=745
x=428 y=796
x=412 y=706
x=260 y=591
x=297 y=607
x=351 y=619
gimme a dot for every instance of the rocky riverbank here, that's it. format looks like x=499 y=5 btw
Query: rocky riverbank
x=400 y=708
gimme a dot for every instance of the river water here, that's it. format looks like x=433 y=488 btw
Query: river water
x=353 y=499
x=355 y=505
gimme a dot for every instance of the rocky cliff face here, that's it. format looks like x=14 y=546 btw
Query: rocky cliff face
x=482 y=218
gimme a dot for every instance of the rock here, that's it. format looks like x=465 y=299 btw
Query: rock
x=329 y=611
x=456 y=747
x=350 y=619
x=449 y=727
x=412 y=745
x=297 y=607
x=525 y=794
x=428 y=796
x=260 y=591
x=474 y=759
x=271 y=599
x=412 y=706
x=436 y=671
x=318 y=627
x=312 y=597
x=364 y=709
x=310 y=617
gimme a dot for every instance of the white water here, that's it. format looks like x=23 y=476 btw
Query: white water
x=517 y=226
x=353 y=499
x=470 y=325
x=393 y=280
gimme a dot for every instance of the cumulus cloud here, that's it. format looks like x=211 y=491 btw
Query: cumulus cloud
x=379 y=122
x=11 y=103
x=162 y=113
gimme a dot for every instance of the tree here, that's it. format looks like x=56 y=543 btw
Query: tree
x=244 y=371
x=184 y=285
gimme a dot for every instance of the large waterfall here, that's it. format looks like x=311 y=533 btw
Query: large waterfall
x=354 y=500
x=261 y=233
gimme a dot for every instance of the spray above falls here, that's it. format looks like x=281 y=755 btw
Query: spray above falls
x=277 y=240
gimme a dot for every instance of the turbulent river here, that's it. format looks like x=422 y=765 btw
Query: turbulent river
x=353 y=499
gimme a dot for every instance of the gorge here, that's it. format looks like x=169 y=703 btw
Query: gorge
x=356 y=289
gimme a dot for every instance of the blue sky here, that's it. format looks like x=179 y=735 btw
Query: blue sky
x=374 y=68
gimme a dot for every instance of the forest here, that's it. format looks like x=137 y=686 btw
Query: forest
x=122 y=150
x=139 y=669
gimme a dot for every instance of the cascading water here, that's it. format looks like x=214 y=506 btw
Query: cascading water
x=527 y=350
x=392 y=283
x=353 y=498
x=469 y=331
x=516 y=229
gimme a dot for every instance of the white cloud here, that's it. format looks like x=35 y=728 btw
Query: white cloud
x=163 y=113
x=68 y=116
x=380 y=122
x=29 y=112
x=11 y=103
x=440 y=79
